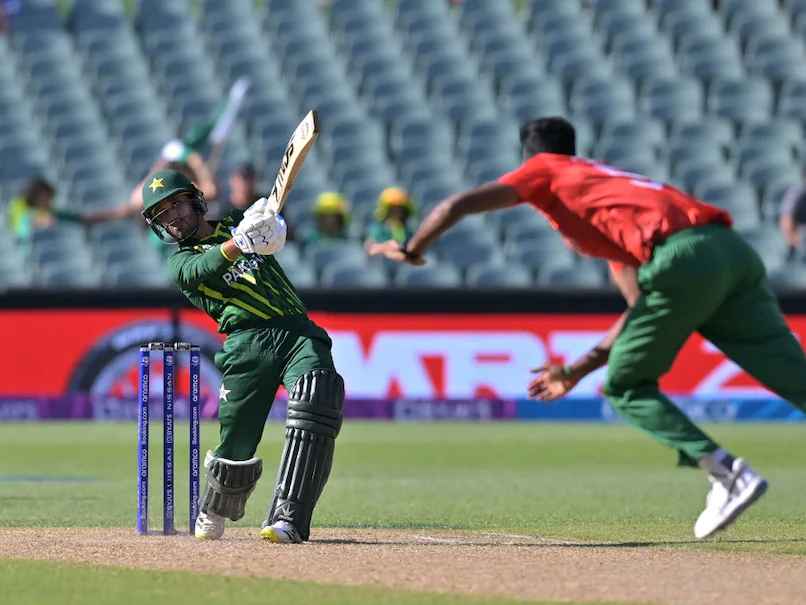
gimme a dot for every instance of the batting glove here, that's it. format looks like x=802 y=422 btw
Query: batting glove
x=259 y=208
x=263 y=235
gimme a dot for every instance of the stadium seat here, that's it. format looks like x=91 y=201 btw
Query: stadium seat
x=688 y=19
x=34 y=18
x=646 y=133
x=536 y=254
x=603 y=7
x=349 y=274
x=749 y=27
x=585 y=274
x=498 y=275
x=432 y=275
x=673 y=99
x=58 y=277
x=781 y=132
x=319 y=255
x=711 y=130
x=734 y=9
x=792 y=102
x=763 y=173
x=767 y=241
x=710 y=57
x=789 y=277
x=738 y=199
x=704 y=151
x=464 y=254
x=776 y=58
x=602 y=99
x=695 y=171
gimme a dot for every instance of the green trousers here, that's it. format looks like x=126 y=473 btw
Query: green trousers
x=707 y=280
x=254 y=362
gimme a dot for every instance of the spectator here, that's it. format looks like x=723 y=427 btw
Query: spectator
x=394 y=211
x=177 y=152
x=184 y=155
x=33 y=209
x=212 y=132
x=793 y=215
x=332 y=215
x=242 y=190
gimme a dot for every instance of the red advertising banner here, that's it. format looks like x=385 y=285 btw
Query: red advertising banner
x=90 y=355
x=491 y=355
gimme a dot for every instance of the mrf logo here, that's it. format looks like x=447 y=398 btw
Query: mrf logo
x=443 y=364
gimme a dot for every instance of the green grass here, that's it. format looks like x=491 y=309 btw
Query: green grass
x=570 y=482
x=34 y=583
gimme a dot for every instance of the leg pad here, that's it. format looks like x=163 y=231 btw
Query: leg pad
x=314 y=420
x=229 y=484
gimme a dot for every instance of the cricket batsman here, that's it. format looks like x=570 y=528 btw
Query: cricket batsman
x=681 y=268
x=229 y=272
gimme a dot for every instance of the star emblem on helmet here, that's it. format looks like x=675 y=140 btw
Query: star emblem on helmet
x=156 y=184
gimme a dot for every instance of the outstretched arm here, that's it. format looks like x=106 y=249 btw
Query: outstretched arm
x=124 y=210
x=206 y=182
x=492 y=196
x=554 y=381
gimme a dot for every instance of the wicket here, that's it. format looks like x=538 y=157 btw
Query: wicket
x=169 y=366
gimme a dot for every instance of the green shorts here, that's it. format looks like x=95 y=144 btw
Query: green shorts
x=254 y=363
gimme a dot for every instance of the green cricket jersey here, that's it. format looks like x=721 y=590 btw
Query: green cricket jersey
x=249 y=291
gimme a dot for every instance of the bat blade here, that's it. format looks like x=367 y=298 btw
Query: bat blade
x=299 y=145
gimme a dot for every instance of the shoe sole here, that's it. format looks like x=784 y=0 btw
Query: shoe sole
x=759 y=490
x=272 y=535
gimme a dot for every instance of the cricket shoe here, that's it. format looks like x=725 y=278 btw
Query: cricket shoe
x=209 y=526
x=281 y=532
x=731 y=494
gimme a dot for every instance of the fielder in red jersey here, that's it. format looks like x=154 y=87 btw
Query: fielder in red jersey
x=604 y=212
x=681 y=269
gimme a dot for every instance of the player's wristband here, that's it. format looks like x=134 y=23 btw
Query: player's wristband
x=567 y=372
x=404 y=248
x=224 y=254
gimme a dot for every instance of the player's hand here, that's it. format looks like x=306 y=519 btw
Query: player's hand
x=392 y=250
x=550 y=383
x=259 y=208
x=263 y=235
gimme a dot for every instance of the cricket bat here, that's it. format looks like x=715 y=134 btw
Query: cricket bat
x=299 y=145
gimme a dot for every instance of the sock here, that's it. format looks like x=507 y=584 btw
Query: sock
x=717 y=463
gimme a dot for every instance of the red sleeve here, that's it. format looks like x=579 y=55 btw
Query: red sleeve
x=530 y=180
x=615 y=267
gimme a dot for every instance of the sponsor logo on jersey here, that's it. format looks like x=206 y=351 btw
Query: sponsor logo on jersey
x=244 y=269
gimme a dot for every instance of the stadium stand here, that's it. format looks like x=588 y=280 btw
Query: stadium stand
x=425 y=94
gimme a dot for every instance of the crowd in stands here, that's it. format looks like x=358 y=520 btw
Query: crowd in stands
x=418 y=99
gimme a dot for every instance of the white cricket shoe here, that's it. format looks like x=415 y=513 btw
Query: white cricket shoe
x=281 y=532
x=731 y=494
x=209 y=526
